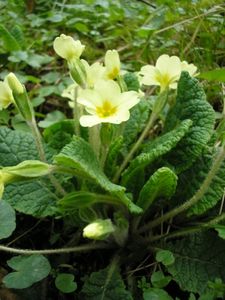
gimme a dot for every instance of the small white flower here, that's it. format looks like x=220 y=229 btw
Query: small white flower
x=66 y=47
x=106 y=104
x=165 y=74
x=190 y=68
x=6 y=96
x=112 y=64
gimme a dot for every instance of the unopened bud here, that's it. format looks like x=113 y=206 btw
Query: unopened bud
x=98 y=230
x=20 y=96
x=78 y=72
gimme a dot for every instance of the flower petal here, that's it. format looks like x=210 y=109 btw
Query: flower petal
x=128 y=100
x=89 y=121
x=109 y=90
x=149 y=75
x=89 y=98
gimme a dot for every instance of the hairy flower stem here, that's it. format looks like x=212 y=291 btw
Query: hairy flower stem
x=188 y=231
x=193 y=200
x=76 y=113
x=38 y=141
x=136 y=146
x=87 y=247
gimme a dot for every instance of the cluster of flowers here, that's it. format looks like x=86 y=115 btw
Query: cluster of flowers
x=99 y=88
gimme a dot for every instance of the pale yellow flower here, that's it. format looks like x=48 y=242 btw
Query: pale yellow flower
x=94 y=72
x=66 y=47
x=6 y=96
x=165 y=73
x=112 y=64
x=190 y=68
x=106 y=104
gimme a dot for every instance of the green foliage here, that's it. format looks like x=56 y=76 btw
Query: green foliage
x=155 y=149
x=131 y=81
x=159 y=280
x=96 y=287
x=191 y=180
x=156 y=294
x=79 y=156
x=7 y=219
x=217 y=75
x=28 y=270
x=161 y=184
x=165 y=257
x=190 y=104
x=113 y=153
x=198 y=259
x=65 y=283
x=34 y=197
x=10 y=42
x=137 y=121
x=51 y=118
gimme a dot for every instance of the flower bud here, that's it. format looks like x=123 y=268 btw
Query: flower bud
x=20 y=96
x=6 y=96
x=112 y=64
x=77 y=72
x=98 y=230
x=14 y=84
x=66 y=47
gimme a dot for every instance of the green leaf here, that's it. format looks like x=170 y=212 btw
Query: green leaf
x=59 y=134
x=79 y=156
x=161 y=184
x=7 y=219
x=190 y=104
x=214 y=75
x=65 y=283
x=131 y=81
x=156 y=294
x=220 y=230
x=137 y=121
x=34 y=197
x=156 y=149
x=17 y=33
x=9 y=41
x=165 y=257
x=82 y=199
x=99 y=286
x=199 y=258
x=52 y=118
x=113 y=153
x=159 y=280
x=191 y=180
x=29 y=269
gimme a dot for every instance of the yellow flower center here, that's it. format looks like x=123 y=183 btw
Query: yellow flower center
x=114 y=73
x=163 y=79
x=106 y=110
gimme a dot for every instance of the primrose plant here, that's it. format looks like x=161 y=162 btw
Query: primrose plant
x=139 y=166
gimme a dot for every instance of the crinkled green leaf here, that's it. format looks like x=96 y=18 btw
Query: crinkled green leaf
x=34 y=197
x=190 y=104
x=7 y=219
x=191 y=180
x=111 y=160
x=159 y=280
x=59 y=134
x=199 y=258
x=161 y=184
x=78 y=155
x=131 y=81
x=28 y=270
x=156 y=149
x=99 y=286
x=137 y=121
